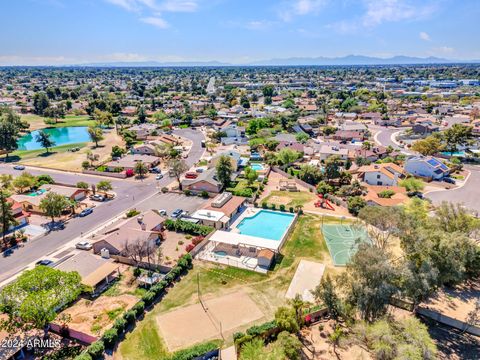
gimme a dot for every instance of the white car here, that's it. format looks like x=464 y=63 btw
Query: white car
x=159 y=177
x=83 y=245
x=162 y=212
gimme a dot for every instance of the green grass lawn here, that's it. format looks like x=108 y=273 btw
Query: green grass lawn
x=294 y=198
x=30 y=154
x=70 y=120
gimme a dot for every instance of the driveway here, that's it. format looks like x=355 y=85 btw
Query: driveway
x=129 y=194
x=468 y=194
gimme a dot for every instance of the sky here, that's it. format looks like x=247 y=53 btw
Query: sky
x=59 y=32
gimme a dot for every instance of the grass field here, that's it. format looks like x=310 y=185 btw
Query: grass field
x=267 y=291
x=37 y=122
x=30 y=154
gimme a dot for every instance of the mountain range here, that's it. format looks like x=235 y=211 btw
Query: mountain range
x=299 y=61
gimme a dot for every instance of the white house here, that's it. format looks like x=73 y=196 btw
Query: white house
x=330 y=150
x=386 y=174
x=428 y=167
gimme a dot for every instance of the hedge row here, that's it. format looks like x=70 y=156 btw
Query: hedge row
x=110 y=337
x=194 y=351
x=263 y=330
x=187 y=227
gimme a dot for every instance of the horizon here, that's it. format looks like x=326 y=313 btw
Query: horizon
x=172 y=31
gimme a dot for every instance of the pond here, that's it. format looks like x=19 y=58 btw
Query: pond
x=61 y=136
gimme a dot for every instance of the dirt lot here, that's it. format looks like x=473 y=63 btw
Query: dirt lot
x=173 y=246
x=226 y=313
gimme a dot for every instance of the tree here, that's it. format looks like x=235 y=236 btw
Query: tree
x=53 y=205
x=267 y=90
x=31 y=301
x=298 y=305
x=287 y=319
x=141 y=114
x=355 y=204
x=40 y=102
x=82 y=185
x=44 y=139
x=287 y=156
x=103 y=117
x=92 y=157
x=290 y=345
x=224 y=170
x=24 y=181
x=141 y=169
x=104 y=186
x=431 y=145
x=6 y=181
x=9 y=135
x=302 y=137
x=311 y=174
x=332 y=167
x=456 y=136
x=96 y=134
x=251 y=175
x=412 y=184
x=383 y=224
x=177 y=168
x=326 y=294
x=6 y=216
x=324 y=188
x=117 y=151
x=371 y=281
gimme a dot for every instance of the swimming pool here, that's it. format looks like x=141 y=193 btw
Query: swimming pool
x=257 y=167
x=266 y=224
x=61 y=136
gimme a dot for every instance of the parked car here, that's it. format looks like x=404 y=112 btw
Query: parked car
x=162 y=212
x=417 y=194
x=44 y=262
x=19 y=167
x=159 y=177
x=7 y=252
x=177 y=213
x=191 y=175
x=83 y=245
x=199 y=170
x=155 y=170
x=449 y=180
x=86 y=212
x=97 y=197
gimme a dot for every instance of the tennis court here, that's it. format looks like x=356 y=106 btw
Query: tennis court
x=343 y=241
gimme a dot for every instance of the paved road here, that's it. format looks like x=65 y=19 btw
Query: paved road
x=129 y=194
x=384 y=134
x=468 y=195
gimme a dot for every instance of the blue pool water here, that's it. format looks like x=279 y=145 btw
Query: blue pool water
x=257 y=167
x=61 y=136
x=266 y=224
x=456 y=153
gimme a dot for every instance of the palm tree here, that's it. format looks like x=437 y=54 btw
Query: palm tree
x=298 y=305
x=141 y=169
x=366 y=146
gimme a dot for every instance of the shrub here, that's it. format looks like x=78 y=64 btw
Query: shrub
x=148 y=297
x=290 y=209
x=164 y=189
x=45 y=179
x=273 y=206
x=132 y=212
x=130 y=316
x=189 y=247
x=386 y=194
x=96 y=349
x=82 y=185
x=282 y=207
x=264 y=205
x=169 y=277
x=84 y=356
x=187 y=192
x=197 y=240
x=187 y=227
x=120 y=324
x=204 y=194
x=110 y=337
x=194 y=351
x=137 y=272
x=139 y=308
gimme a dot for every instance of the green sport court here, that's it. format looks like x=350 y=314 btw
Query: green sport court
x=343 y=241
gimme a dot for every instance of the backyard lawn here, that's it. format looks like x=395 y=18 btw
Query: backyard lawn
x=267 y=291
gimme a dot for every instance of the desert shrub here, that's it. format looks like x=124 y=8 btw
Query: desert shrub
x=120 y=324
x=110 y=337
x=130 y=316
x=148 y=297
x=96 y=349
x=139 y=308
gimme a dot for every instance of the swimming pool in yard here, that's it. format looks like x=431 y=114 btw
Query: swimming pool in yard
x=266 y=224
x=257 y=167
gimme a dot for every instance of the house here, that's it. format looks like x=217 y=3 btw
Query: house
x=349 y=135
x=20 y=215
x=424 y=128
x=233 y=155
x=381 y=174
x=389 y=121
x=31 y=202
x=227 y=204
x=330 y=150
x=265 y=258
x=95 y=271
x=294 y=145
x=142 y=131
x=426 y=167
x=234 y=135
x=129 y=161
x=205 y=181
x=213 y=218
x=144 y=149
x=145 y=228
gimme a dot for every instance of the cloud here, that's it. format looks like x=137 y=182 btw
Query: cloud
x=381 y=11
x=155 y=21
x=424 y=36
x=179 y=6
x=289 y=9
x=129 y=5
x=258 y=24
